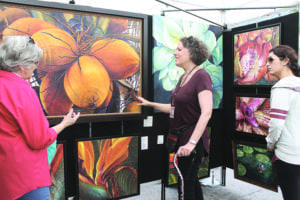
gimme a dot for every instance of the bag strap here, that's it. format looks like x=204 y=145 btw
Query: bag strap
x=187 y=127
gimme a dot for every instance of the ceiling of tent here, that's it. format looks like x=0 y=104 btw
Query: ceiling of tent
x=229 y=12
x=220 y=12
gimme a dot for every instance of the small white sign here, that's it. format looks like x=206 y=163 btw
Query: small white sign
x=148 y=122
x=144 y=141
x=160 y=139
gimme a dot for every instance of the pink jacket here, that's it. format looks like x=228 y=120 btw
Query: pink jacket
x=24 y=137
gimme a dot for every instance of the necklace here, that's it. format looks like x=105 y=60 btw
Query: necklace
x=182 y=82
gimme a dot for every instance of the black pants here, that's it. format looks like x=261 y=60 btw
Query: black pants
x=288 y=176
x=189 y=167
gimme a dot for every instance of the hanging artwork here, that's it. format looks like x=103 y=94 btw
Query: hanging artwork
x=167 y=33
x=203 y=169
x=252 y=115
x=252 y=164
x=299 y=42
x=173 y=175
x=251 y=51
x=108 y=168
x=57 y=173
x=92 y=60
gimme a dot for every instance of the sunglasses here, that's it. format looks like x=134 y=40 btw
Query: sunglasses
x=31 y=41
x=271 y=59
x=190 y=39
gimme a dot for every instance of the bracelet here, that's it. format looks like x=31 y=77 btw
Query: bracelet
x=193 y=142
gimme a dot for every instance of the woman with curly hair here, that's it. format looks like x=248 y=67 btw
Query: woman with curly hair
x=190 y=110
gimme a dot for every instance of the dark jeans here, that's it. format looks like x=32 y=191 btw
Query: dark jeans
x=42 y=193
x=288 y=176
x=189 y=167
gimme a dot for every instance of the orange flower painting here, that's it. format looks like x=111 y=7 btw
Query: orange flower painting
x=108 y=168
x=91 y=63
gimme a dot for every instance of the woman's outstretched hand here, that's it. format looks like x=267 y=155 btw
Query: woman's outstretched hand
x=142 y=101
x=70 y=118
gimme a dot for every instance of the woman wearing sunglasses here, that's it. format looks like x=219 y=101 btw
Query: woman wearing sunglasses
x=190 y=109
x=24 y=130
x=284 y=126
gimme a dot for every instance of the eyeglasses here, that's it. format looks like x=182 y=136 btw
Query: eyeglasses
x=37 y=63
x=31 y=41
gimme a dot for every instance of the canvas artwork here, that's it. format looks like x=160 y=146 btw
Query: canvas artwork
x=108 y=168
x=299 y=42
x=166 y=33
x=251 y=51
x=57 y=173
x=91 y=62
x=202 y=173
x=252 y=115
x=173 y=175
x=252 y=164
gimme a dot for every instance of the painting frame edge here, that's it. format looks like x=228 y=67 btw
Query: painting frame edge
x=273 y=188
x=104 y=138
x=145 y=44
x=279 y=24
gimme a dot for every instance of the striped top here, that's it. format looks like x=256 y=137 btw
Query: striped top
x=284 y=125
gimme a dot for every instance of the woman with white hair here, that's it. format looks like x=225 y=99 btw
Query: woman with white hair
x=24 y=132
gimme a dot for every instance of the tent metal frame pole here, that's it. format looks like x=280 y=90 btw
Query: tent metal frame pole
x=225 y=9
x=189 y=13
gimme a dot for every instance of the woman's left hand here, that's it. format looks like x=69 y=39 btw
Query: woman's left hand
x=185 y=150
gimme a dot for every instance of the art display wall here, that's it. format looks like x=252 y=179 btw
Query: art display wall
x=96 y=61
x=247 y=87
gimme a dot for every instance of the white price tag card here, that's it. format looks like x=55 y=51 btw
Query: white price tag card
x=148 y=122
x=144 y=141
x=160 y=139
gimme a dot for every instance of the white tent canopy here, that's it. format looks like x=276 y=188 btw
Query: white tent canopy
x=228 y=13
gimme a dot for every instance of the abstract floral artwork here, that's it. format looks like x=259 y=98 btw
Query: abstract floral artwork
x=166 y=33
x=91 y=62
x=251 y=51
x=57 y=173
x=202 y=173
x=173 y=175
x=108 y=168
x=252 y=115
x=253 y=164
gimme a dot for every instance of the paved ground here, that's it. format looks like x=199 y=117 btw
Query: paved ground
x=233 y=190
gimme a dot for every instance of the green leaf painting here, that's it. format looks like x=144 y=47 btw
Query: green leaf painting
x=57 y=172
x=254 y=165
x=167 y=32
